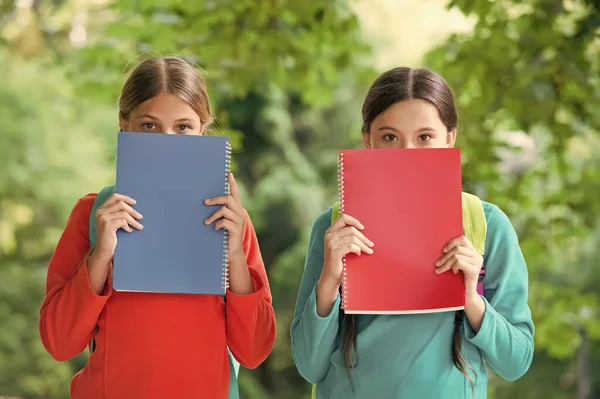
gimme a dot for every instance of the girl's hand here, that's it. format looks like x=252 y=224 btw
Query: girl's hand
x=342 y=238
x=231 y=216
x=459 y=254
x=116 y=213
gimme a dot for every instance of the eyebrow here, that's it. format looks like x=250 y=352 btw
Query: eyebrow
x=423 y=129
x=154 y=118
x=145 y=116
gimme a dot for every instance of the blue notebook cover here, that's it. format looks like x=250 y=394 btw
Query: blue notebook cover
x=170 y=176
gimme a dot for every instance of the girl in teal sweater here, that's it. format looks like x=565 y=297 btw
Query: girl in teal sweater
x=419 y=356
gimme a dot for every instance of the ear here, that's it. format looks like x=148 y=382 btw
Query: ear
x=451 y=138
x=124 y=125
x=367 y=140
x=201 y=132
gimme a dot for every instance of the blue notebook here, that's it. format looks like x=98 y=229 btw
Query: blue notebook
x=170 y=176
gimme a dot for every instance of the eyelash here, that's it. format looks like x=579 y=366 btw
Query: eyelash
x=422 y=137
x=150 y=126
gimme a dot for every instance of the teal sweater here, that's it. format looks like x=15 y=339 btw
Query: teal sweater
x=409 y=356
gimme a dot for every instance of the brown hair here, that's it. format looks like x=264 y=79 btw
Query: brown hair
x=172 y=75
x=394 y=86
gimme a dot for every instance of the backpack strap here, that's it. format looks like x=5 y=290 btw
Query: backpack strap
x=335 y=212
x=100 y=199
x=475 y=227
x=474 y=221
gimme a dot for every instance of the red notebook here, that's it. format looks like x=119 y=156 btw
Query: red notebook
x=409 y=201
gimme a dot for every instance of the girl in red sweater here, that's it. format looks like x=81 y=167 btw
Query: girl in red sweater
x=147 y=345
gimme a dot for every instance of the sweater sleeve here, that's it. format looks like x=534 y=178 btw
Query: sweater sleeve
x=314 y=338
x=251 y=328
x=505 y=338
x=71 y=308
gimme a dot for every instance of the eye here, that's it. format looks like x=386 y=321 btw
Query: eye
x=425 y=137
x=148 y=125
x=183 y=128
x=389 y=137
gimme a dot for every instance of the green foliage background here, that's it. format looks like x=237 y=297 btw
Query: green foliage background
x=287 y=80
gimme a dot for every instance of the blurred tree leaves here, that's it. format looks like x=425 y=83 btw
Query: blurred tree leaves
x=49 y=156
x=276 y=71
x=242 y=44
x=533 y=66
x=288 y=165
x=287 y=80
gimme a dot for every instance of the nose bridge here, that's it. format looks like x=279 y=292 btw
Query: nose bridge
x=169 y=131
x=405 y=142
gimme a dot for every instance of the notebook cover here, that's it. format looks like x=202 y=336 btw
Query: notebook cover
x=409 y=201
x=170 y=176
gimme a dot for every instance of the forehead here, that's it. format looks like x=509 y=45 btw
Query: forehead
x=166 y=105
x=409 y=115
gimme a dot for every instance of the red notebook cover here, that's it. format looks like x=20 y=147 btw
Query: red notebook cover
x=409 y=201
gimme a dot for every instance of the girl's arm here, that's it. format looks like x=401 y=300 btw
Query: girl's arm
x=314 y=338
x=71 y=308
x=505 y=337
x=250 y=318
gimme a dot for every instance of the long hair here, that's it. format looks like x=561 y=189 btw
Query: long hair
x=394 y=86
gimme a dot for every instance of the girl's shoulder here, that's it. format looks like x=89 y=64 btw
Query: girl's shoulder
x=83 y=206
x=323 y=221
x=490 y=210
x=493 y=213
x=499 y=225
x=80 y=214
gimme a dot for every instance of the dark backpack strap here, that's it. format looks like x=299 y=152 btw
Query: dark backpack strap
x=480 y=287
x=100 y=199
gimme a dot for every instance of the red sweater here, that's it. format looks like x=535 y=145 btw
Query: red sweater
x=150 y=345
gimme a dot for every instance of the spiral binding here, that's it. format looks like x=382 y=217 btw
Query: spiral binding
x=225 y=277
x=341 y=190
